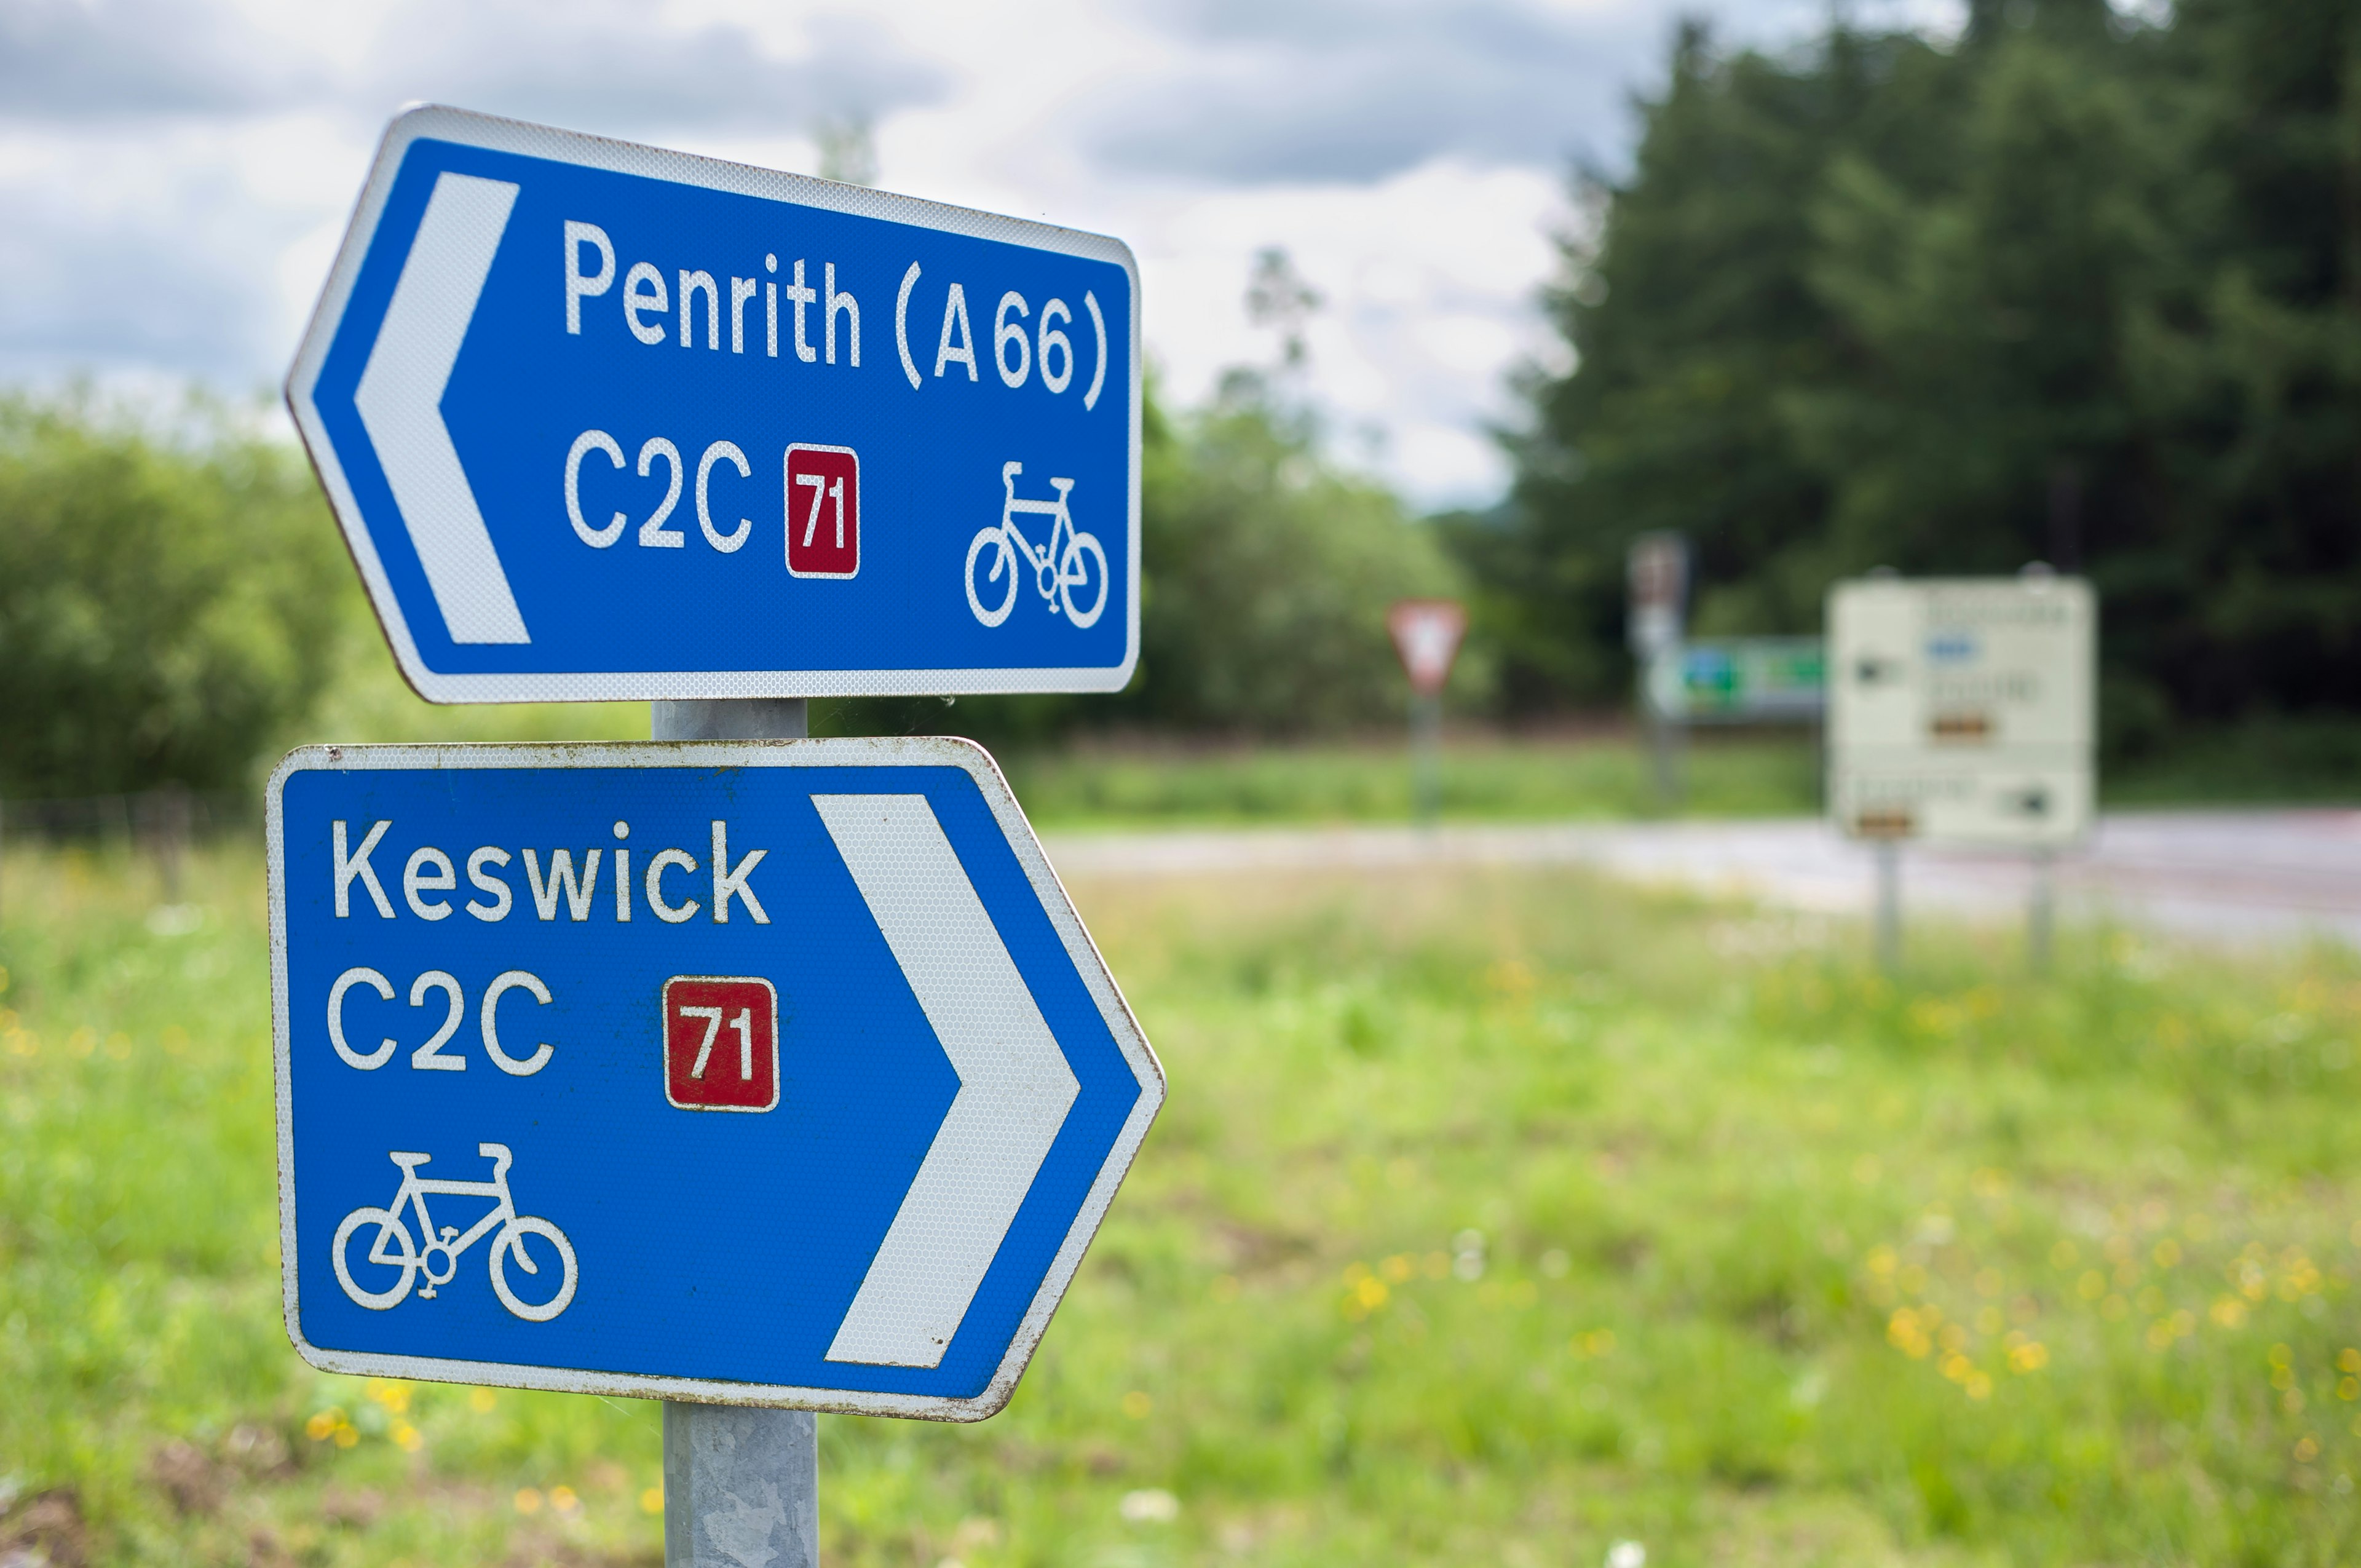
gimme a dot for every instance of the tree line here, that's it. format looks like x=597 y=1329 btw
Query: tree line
x=2073 y=287
x=175 y=601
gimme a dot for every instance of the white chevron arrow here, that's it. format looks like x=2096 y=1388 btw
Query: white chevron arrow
x=401 y=397
x=1015 y=1085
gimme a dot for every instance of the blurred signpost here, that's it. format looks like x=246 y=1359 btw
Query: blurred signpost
x=1426 y=634
x=1963 y=712
x=608 y=422
x=1747 y=680
x=1657 y=576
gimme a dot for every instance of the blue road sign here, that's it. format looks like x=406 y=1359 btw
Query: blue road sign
x=602 y=422
x=769 y=1073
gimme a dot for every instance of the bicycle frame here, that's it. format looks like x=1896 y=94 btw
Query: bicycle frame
x=1044 y=561
x=451 y=1242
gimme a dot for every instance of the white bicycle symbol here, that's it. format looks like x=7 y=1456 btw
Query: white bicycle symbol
x=1058 y=571
x=395 y=1248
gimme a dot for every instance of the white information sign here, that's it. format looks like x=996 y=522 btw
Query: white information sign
x=1961 y=709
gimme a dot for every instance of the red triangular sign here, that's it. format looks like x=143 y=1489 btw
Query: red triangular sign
x=1426 y=634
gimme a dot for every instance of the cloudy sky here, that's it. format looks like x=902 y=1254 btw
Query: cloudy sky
x=175 y=174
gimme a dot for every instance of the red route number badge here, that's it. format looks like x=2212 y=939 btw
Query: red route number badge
x=823 y=511
x=720 y=1043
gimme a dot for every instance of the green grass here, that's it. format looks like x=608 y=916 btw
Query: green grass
x=1494 y=1217
x=1483 y=778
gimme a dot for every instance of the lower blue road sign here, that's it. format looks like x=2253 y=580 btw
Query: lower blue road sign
x=779 y=1073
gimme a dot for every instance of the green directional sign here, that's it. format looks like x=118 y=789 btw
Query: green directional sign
x=1743 y=680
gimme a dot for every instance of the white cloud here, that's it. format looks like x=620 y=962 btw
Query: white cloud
x=176 y=173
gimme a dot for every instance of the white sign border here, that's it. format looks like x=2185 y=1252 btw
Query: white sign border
x=471 y=129
x=705 y=756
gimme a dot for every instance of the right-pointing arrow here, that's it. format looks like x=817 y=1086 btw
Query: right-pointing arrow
x=400 y=396
x=1015 y=1085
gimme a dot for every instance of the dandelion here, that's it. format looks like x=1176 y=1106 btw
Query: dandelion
x=1979 y=1386
x=1397 y=1267
x=2030 y=1356
x=2228 y=1312
x=651 y=1499
x=2167 y=1254
x=2307 y=1449
x=563 y=1498
x=407 y=1437
x=1137 y=1405
x=528 y=1499
x=323 y=1424
x=482 y=1400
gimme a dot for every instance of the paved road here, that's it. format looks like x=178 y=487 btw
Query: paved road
x=2229 y=875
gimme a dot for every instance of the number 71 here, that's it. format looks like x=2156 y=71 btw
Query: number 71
x=743 y=1024
x=823 y=488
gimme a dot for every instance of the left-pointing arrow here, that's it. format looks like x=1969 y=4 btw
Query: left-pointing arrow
x=400 y=396
x=1015 y=1085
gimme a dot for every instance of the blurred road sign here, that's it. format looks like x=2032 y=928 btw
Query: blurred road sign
x=1657 y=568
x=1963 y=709
x=779 y=1074
x=606 y=422
x=1741 y=680
x=1426 y=633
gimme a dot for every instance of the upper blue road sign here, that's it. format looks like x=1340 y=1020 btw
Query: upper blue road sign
x=601 y=421
x=771 y=1073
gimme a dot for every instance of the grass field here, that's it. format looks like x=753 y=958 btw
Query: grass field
x=1481 y=777
x=1495 y=1218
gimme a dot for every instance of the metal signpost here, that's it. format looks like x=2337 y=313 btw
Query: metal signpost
x=1426 y=634
x=1961 y=710
x=1657 y=573
x=607 y=423
x=776 y=1074
x=761 y=1078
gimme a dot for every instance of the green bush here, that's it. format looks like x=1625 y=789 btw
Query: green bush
x=1266 y=577
x=166 y=603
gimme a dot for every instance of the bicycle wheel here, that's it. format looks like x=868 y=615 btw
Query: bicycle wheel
x=388 y=1225
x=512 y=1239
x=1072 y=572
x=1003 y=564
